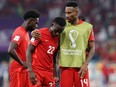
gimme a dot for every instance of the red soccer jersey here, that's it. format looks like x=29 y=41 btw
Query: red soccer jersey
x=46 y=46
x=21 y=37
x=91 y=37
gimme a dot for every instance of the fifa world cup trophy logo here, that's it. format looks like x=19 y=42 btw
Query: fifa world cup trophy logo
x=73 y=35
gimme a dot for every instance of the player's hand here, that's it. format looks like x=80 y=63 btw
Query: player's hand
x=83 y=70
x=56 y=79
x=33 y=78
x=35 y=34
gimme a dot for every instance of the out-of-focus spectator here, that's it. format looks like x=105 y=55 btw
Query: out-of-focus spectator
x=2 y=4
x=4 y=78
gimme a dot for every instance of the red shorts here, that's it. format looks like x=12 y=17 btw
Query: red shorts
x=70 y=78
x=45 y=78
x=19 y=78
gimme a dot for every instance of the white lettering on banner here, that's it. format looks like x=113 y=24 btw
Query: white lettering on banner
x=71 y=52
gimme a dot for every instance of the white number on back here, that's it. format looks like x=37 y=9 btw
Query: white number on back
x=84 y=81
x=51 y=50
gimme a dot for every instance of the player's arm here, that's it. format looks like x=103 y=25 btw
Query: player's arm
x=91 y=47
x=55 y=73
x=13 y=54
x=29 y=52
x=56 y=67
x=91 y=51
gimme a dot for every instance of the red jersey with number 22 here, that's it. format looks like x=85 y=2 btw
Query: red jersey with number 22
x=46 y=46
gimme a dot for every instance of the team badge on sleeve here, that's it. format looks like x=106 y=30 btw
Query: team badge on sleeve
x=32 y=39
x=16 y=38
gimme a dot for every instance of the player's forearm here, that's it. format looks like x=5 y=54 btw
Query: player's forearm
x=14 y=55
x=55 y=63
x=29 y=60
x=90 y=53
x=29 y=53
x=55 y=73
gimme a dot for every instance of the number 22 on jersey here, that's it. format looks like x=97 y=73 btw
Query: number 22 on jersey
x=51 y=49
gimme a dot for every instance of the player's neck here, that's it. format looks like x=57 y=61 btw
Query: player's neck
x=24 y=26
x=76 y=22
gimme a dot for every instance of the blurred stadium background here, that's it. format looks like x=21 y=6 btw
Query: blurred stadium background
x=101 y=13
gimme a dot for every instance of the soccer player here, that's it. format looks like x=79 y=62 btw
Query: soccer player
x=41 y=53
x=72 y=58
x=17 y=49
x=75 y=40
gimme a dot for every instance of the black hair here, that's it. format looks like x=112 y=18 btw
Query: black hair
x=82 y=18
x=31 y=14
x=60 y=21
x=72 y=4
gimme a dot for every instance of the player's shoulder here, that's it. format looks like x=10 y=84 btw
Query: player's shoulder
x=19 y=31
x=87 y=23
x=42 y=29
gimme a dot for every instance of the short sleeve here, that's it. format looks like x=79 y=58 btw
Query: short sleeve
x=34 y=41
x=91 y=37
x=16 y=37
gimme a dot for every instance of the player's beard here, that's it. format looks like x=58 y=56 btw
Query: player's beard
x=73 y=20
x=31 y=28
x=70 y=20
